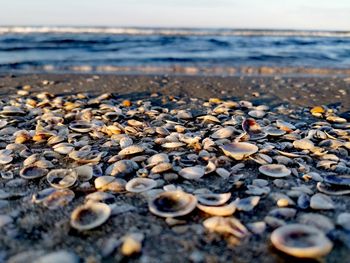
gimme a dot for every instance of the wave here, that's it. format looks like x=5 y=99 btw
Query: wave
x=167 y=31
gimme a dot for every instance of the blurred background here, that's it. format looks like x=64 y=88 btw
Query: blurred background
x=173 y=36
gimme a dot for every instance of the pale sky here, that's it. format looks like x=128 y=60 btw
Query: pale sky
x=269 y=14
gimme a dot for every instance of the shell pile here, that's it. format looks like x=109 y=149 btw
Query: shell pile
x=212 y=163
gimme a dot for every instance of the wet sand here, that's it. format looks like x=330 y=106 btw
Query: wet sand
x=38 y=228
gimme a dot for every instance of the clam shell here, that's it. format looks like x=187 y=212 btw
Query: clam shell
x=158 y=158
x=247 y=204
x=102 y=181
x=86 y=156
x=225 y=210
x=172 y=145
x=301 y=241
x=84 y=172
x=239 y=150
x=192 y=173
x=81 y=126
x=138 y=185
x=161 y=168
x=63 y=148
x=226 y=225
x=89 y=216
x=172 y=204
x=303 y=144
x=32 y=172
x=62 y=178
x=211 y=199
x=223 y=133
x=274 y=170
x=132 y=149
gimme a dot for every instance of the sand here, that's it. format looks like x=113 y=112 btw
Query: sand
x=38 y=228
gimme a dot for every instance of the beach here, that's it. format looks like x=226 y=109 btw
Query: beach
x=34 y=230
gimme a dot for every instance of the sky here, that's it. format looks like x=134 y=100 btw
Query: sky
x=266 y=14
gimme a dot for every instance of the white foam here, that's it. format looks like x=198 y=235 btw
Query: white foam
x=167 y=31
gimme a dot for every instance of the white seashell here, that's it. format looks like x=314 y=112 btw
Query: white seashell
x=301 y=241
x=303 y=144
x=192 y=173
x=247 y=204
x=226 y=225
x=223 y=133
x=125 y=141
x=172 y=204
x=257 y=113
x=225 y=210
x=274 y=170
x=63 y=148
x=213 y=199
x=81 y=126
x=161 y=168
x=239 y=150
x=32 y=172
x=84 y=172
x=102 y=181
x=133 y=149
x=158 y=158
x=62 y=178
x=89 y=216
x=138 y=185
x=172 y=145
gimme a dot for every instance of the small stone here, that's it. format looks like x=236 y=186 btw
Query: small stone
x=343 y=220
x=132 y=244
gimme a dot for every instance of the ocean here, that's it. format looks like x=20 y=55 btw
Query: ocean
x=111 y=49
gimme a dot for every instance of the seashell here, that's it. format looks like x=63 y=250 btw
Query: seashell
x=81 y=126
x=192 y=173
x=132 y=244
x=274 y=170
x=283 y=213
x=247 y=204
x=285 y=126
x=63 y=148
x=321 y=202
x=58 y=256
x=226 y=225
x=211 y=199
x=122 y=168
x=158 y=158
x=116 y=186
x=11 y=111
x=343 y=180
x=86 y=156
x=223 y=133
x=172 y=145
x=89 y=216
x=224 y=210
x=40 y=196
x=239 y=150
x=172 y=204
x=62 y=178
x=253 y=129
x=5 y=159
x=102 y=181
x=301 y=241
x=321 y=222
x=138 y=185
x=84 y=172
x=343 y=220
x=257 y=114
x=32 y=172
x=161 y=168
x=223 y=173
x=303 y=144
x=271 y=131
x=102 y=197
x=125 y=141
x=59 y=198
x=133 y=149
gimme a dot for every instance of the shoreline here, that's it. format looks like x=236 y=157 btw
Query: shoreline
x=304 y=91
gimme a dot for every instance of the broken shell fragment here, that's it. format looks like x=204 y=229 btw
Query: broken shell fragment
x=226 y=225
x=274 y=170
x=89 y=216
x=224 y=210
x=239 y=150
x=172 y=204
x=301 y=241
